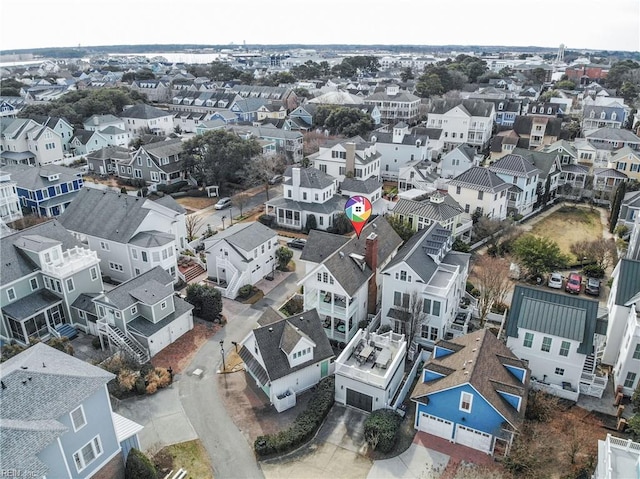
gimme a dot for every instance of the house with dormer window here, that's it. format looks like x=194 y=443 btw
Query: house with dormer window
x=479 y=190
x=45 y=190
x=130 y=234
x=459 y=160
x=142 y=315
x=159 y=162
x=426 y=276
x=25 y=141
x=141 y=118
x=86 y=141
x=348 y=158
x=472 y=391
x=44 y=271
x=286 y=356
x=522 y=176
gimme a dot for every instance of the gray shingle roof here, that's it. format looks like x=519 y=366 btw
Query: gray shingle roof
x=479 y=178
x=14 y=264
x=150 y=287
x=367 y=186
x=144 y=112
x=555 y=314
x=31 y=304
x=151 y=239
x=320 y=245
x=479 y=359
x=541 y=159
x=246 y=236
x=35 y=178
x=613 y=134
x=515 y=165
x=164 y=149
x=270 y=342
x=109 y=152
x=147 y=328
x=473 y=107
x=309 y=178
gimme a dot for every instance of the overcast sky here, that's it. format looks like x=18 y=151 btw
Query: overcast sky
x=588 y=24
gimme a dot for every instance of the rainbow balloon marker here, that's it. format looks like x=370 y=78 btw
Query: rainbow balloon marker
x=358 y=210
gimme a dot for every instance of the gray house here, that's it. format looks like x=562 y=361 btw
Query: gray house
x=56 y=419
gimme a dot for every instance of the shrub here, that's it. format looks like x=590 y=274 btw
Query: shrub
x=381 y=428
x=304 y=426
x=594 y=271
x=157 y=378
x=540 y=406
x=127 y=379
x=266 y=220
x=245 y=291
x=621 y=231
x=95 y=342
x=139 y=466
x=172 y=188
x=499 y=308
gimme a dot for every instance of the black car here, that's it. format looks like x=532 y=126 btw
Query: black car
x=592 y=287
x=297 y=243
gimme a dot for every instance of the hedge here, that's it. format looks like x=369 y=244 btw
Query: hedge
x=304 y=426
x=172 y=188
x=383 y=425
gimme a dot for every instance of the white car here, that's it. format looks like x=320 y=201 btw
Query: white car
x=555 y=281
x=223 y=203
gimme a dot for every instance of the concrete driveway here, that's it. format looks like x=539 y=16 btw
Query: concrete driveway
x=415 y=462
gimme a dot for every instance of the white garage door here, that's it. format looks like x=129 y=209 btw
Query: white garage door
x=436 y=426
x=473 y=438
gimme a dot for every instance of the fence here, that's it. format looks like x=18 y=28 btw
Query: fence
x=408 y=381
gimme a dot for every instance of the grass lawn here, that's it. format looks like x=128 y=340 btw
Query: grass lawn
x=196 y=202
x=190 y=456
x=569 y=225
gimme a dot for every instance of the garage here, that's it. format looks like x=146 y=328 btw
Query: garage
x=359 y=400
x=436 y=426
x=473 y=438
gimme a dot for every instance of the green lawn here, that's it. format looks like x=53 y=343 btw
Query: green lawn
x=190 y=456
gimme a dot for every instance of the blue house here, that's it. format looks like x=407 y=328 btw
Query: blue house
x=45 y=190
x=246 y=109
x=56 y=418
x=473 y=391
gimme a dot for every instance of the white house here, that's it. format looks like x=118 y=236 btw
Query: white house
x=241 y=254
x=286 y=356
x=342 y=280
x=306 y=192
x=523 y=177
x=462 y=121
x=130 y=234
x=559 y=335
x=429 y=279
x=142 y=118
x=617 y=458
x=458 y=160
x=480 y=190
x=395 y=105
x=622 y=349
x=370 y=369
x=10 y=209
x=348 y=158
x=24 y=141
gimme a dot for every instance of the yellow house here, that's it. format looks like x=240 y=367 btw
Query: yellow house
x=627 y=161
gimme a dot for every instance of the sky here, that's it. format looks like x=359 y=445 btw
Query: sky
x=579 y=24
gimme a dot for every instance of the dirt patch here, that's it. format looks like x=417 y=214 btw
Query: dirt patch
x=568 y=225
x=196 y=203
x=190 y=456
x=109 y=181
x=179 y=354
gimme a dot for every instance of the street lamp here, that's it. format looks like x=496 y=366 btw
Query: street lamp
x=223 y=218
x=224 y=367
x=231 y=215
x=235 y=343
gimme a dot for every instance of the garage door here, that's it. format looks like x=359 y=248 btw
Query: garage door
x=473 y=438
x=436 y=426
x=359 y=400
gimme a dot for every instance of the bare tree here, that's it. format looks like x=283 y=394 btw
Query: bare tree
x=495 y=230
x=263 y=168
x=493 y=283
x=240 y=201
x=412 y=315
x=192 y=222
x=601 y=251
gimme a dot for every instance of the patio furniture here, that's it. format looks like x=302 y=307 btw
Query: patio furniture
x=365 y=353
x=383 y=358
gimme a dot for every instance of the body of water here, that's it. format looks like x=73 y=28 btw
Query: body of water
x=179 y=57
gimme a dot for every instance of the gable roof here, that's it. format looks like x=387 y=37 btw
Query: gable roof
x=354 y=185
x=35 y=177
x=149 y=288
x=39 y=386
x=472 y=107
x=628 y=281
x=309 y=178
x=555 y=314
x=321 y=245
x=541 y=159
x=277 y=337
x=437 y=211
x=479 y=178
x=245 y=236
x=515 y=165
x=144 y=112
x=478 y=359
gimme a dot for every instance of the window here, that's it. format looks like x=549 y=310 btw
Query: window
x=11 y=294
x=457 y=190
x=560 y=371
x=480 y=195
x=546 y=344
x=77 y=418
x=528 y=340
x=630 y=380
x=403 y=275
x=134 y=253
x=94 y=273
x=144 y=256
x=564 y=348
x=400 y=299
x=70 y=285
x=104 y=246
x=163 y=305
x=636 y=353
x=34 y=283
x=88 y=453
x=465 y=402
x=435 y=310
x=115 y=266
x=134 y=310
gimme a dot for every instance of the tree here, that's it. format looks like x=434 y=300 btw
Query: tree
x=344 y=120
x=283 y=256
x=312 y=223
x=538 y=75
x=459 y=245
x=492 y=282
x=218 y=156
x=402 y=228
x=260 y=169
x=634 y=426
x=619 y=72
x=206 y=300
x=429 y=85
x=240 y=201
x=341 y=224
x=618 y=197
x=565 y=85
x=629 y=91
x=603 y=252
x=407 y=74
x=413 y=315
x=539 y=255
x=139 y=466
x=192 y=222
x=220 y=71
x=493 y=229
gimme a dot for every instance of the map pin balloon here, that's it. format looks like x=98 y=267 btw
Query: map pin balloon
x=358 y=210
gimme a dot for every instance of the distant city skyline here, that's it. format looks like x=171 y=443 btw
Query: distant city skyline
x=579 y=24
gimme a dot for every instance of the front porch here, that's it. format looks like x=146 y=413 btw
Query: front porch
x=34 y=317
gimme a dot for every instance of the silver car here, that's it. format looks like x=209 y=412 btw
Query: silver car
x=555 y=281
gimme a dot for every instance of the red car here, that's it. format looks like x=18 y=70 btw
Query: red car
x=574 y=283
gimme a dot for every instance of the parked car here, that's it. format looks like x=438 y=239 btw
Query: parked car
x=574 y=283
x=223 y=203
x=555 y=281
x=592 y=287
x=297 y=243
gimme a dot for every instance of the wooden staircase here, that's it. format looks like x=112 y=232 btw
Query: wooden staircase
x=193 y=272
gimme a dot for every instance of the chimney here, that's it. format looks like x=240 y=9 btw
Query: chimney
x=351 y=158
x=295 y=177
x=371 y=258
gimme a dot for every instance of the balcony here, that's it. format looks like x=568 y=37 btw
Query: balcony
x=72 y=261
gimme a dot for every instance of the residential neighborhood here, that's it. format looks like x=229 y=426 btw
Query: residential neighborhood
x=179 y=271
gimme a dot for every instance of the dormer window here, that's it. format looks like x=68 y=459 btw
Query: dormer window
x=603 y=115
x=592 y=114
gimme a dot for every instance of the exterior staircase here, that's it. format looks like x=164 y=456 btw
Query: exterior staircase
x=589 y=366
x=66 y=330
x=193 y=272
x=125 y=341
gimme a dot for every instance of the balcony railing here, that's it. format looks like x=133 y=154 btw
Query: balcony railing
x=72 y=260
